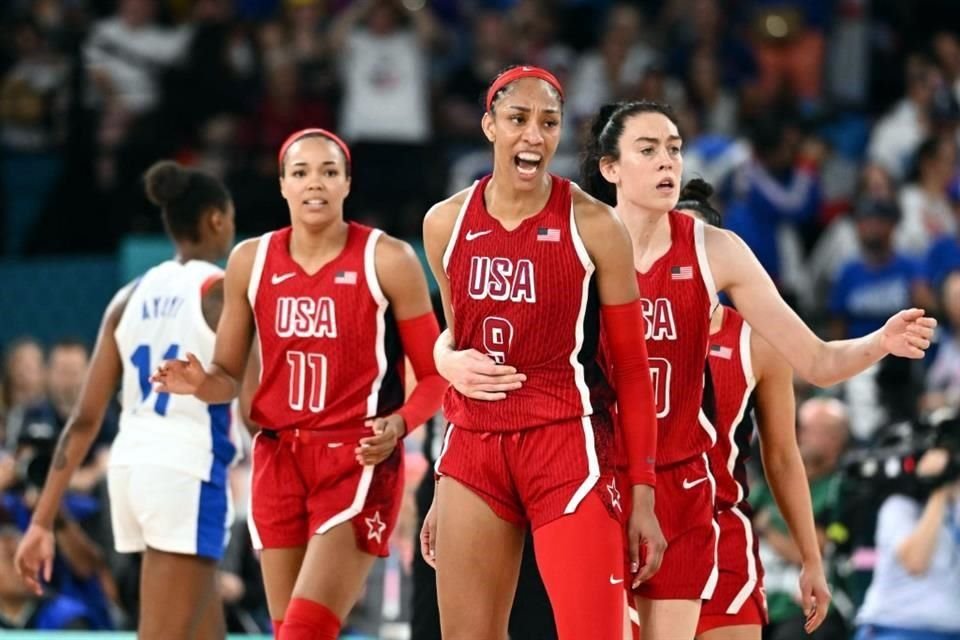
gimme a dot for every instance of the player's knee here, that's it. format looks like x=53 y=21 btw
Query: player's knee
x=309 y=620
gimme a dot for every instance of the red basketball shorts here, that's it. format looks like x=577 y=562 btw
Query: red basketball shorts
x=738 y=598
x=684 y=508
x=536 y=475
x=307 y=483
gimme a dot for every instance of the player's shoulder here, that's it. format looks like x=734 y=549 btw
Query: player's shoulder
x=393 y=253
x=596 y=222
x=444 y=213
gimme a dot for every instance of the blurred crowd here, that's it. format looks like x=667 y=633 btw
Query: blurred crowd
x=828 y=127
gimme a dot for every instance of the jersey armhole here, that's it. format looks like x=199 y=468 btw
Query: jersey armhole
x=455 y=234
x=257 y=271
x=746 y=356
x=699 y=241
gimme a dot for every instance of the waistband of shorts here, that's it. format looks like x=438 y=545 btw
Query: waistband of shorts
x=343 y=432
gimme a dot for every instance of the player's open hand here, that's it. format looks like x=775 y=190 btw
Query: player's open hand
x=34 y=557
x=644 y=532
x=908 y=333
x=387 y=432
x=477 y=376
x=428 y=536
x=814 y=596
x=179 y=376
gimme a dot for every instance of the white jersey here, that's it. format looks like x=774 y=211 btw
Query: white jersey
x=164 y=319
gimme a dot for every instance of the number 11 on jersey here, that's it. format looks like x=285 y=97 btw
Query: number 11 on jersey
x=308 y=376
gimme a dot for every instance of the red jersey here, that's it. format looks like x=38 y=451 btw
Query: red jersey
x=731 y=368
x=527 y=298
x=678 y=295
x=330 y=351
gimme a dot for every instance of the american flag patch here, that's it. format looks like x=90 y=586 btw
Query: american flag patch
x=681 y=273
x=721 y=352
x=548 y=235
x=345 y=277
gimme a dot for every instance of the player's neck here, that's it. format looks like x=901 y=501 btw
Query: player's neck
x=188 y=252
x=311 y=248
x=508 y=204
x=649 y=230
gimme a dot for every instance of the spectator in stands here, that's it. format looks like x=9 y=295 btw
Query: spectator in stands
x=880 y=278
x=879 y=281
x=33 y=101
x=897 y=135
x=927 y=212
x=20 y=608
x=126 y=55
x=21 y=384
x=383 y=49
x=943 y=376
x=916 y=583
x=612 y=70
x=778 y=188
x=461 y=103
x=43 y=422
x=822 y=435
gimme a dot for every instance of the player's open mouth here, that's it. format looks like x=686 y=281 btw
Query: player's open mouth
x=527 y=162
x=315 y=202
x=666 y=185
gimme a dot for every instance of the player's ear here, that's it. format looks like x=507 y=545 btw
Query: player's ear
x=488 y=125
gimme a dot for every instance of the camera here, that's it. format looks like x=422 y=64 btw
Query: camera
x=889 y=465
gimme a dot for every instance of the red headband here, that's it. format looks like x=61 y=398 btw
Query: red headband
x=296 y=135
x=516 y=73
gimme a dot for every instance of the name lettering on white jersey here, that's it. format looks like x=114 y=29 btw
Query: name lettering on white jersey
x=306 y=317
x=500 y=279
x=160 y=307
x=659 y=316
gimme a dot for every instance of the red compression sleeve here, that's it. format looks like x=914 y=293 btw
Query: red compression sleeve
x=624 y=326
x=309 y=620
x=418 y=335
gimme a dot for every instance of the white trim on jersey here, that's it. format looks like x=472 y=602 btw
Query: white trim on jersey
x=746 y=363
x=444 y=448
x=257 y=271
x=711 y=585
x=589 y=268
x=593 y=467
x=455 y=235
x=363 y=487
x=751 y=582
x=370 y=274
x=251 y=523
x=706 y=274
x=707 y=426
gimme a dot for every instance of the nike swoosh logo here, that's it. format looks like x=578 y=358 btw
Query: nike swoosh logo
x=615 y=580
x=690 y=485
x=278 y=278
x=473 y=235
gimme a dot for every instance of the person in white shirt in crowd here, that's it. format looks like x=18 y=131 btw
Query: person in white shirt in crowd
x=916 y=584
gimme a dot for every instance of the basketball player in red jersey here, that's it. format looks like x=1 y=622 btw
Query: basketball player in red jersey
x=524 y=261
x=335 y=307
x=634 y=161
x=750 y=379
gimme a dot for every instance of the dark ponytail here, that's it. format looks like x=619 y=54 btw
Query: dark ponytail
x=695 y=196
x=605 y=132
x=183 y=196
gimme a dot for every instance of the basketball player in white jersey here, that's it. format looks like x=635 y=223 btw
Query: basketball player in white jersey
x=168 y=465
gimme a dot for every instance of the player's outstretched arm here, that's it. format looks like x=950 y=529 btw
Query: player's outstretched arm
x=738 y=272
x=34 y=557
x=220 y=382
x=776 y=420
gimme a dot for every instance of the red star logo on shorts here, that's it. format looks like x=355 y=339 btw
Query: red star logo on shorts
x=614 y=494
x=376 y=527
